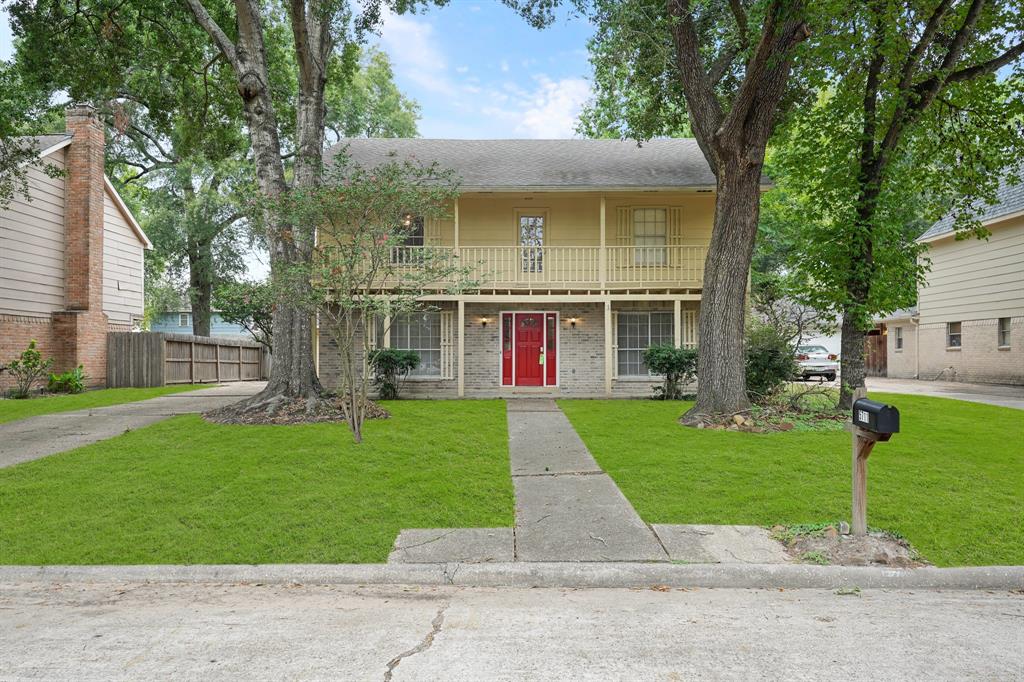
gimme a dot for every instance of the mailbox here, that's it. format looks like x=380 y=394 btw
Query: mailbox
x=877 y=417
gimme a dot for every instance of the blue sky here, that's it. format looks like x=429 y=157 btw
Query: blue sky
x=478 y=70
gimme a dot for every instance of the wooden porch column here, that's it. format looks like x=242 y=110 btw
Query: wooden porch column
x=608 y=359
x=462 y=343
x=602 y=257
x=677 y=322
x=456 y=236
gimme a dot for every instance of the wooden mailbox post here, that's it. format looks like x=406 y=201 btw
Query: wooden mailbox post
x=871 y=422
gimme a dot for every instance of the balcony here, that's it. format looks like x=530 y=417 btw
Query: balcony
x=568 y=268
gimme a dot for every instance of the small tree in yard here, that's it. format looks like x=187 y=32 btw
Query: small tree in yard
x=27 y=369
x=677 y=365
x=770 y=361
x=361 y=272
x=251 y=305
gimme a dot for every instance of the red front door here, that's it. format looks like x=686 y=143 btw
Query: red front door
x=529 y=348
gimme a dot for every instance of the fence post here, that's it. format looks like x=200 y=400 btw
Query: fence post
x=240 y=377
x=192 y=363
x=217 y=349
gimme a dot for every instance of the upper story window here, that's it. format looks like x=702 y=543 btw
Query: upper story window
x=412 y=228
x=184 y=320
x=636 y=332
x=531 y=238
x=1004 y=332
x=953 y=335
x=897 y=336
x=650 y=235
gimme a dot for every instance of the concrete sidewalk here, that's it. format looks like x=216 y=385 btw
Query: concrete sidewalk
x=227 y=631
x=35 y=437
x=989 y=394
x=567 y=508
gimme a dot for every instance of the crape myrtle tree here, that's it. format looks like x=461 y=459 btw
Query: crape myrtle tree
x=250 y=304
x=728 y=66
x=359 y=274
x=921 y=115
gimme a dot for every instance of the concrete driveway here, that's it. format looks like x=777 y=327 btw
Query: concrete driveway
x=990 y=394
x=123 y=631
x=35 y=437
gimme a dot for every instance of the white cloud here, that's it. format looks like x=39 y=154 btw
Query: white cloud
x=461 y=69
x=549 y=111
x=412 y=46
x=504 y=66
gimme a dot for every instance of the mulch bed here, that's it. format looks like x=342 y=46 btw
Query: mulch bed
x=291 y=411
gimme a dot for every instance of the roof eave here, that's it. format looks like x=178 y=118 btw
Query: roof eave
x=126 y=212
x=988 y=221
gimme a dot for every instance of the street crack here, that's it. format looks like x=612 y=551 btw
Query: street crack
x=428 y=641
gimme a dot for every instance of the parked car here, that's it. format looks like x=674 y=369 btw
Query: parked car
x=816 y=361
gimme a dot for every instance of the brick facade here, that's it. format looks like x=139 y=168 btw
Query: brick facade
x=979 y=359
x=76 y=335
x=580 y=355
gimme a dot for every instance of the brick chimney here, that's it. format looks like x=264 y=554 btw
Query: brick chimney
x=83 y=221
x=80 y=329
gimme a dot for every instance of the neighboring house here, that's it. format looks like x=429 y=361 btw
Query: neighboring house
x=180 y=322
x=589 y=251
x=969 y=321
x=71 y=264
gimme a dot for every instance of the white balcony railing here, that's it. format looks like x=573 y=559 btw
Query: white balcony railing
x=568 y=267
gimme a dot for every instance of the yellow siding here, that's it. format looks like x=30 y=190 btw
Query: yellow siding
x=573 y=219
x=32 y=246
x=974 y=279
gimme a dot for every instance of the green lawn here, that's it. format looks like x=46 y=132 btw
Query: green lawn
x=952 y=481
x=186 y=491
x=32 y=407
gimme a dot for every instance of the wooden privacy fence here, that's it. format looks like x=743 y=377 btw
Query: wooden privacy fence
x=141 y=359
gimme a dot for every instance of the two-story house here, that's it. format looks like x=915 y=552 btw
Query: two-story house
x=588 y=251
x=71 y=254
x=969 y=321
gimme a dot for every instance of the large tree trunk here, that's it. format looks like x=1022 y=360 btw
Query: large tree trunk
x=852 y=354
x=293 y=374
x=200 y=286
x=721 y=356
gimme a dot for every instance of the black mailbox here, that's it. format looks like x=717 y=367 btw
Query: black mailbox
x=874 y=416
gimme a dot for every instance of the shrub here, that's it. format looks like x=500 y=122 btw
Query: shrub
x=770 y=361
x=390 y=368
x=677 y=365
x=71 y=381
x=27 y=369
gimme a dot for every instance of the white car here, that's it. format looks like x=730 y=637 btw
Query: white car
x=816 y=361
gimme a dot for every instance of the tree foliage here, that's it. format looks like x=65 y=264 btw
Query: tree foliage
x=28 y=368
x=249 y=304
x=391 y=367
x=678 y=366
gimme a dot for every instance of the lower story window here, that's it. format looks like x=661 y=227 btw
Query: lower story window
x=898 y=337
x=953 y=336
x=420 y=332
x=1004 y=332
x=636 y=332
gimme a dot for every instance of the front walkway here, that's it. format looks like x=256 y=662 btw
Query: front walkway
x=569 y=510
x=48 y=434
x=989 y=394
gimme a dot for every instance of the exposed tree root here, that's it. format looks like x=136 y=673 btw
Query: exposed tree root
x=280 y=409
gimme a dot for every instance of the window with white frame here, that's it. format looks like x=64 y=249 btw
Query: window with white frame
x=897 y=337
x=1004 y=332
x=184 y=320
x=636 y=332
x=650 y=235
x=953 y=335
x=420 y=332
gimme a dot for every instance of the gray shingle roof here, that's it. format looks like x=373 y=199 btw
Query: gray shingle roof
x=43 y=142
x=547 y=164
x=1009 y=199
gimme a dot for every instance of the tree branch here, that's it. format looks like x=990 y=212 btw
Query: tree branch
x=210 y=25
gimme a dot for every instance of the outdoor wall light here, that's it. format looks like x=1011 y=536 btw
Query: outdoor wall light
x=573 y=321
x=484 y=321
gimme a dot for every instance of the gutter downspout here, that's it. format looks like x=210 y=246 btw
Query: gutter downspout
x=917 y=346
